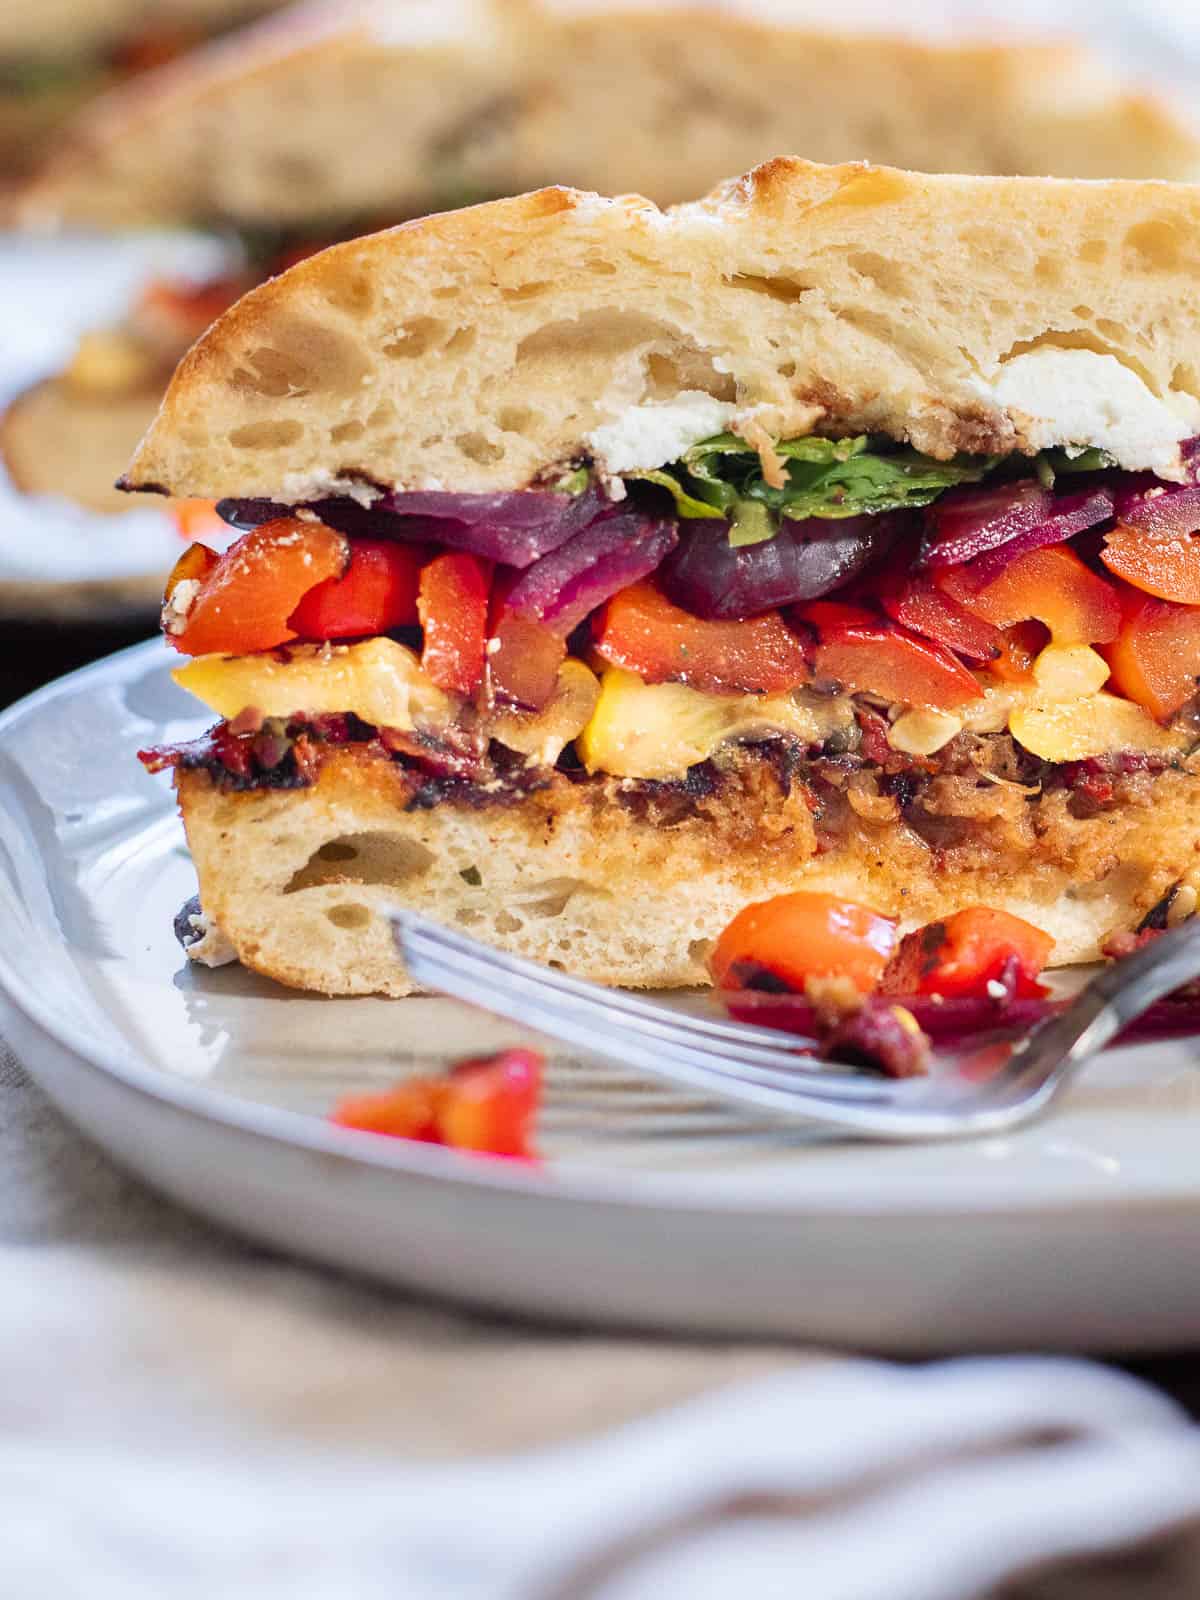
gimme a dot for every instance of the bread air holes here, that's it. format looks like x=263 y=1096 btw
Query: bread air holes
x=526 y=291
x=1048 y=271
x=422 y=335
x=303 y=357
x=518 y=419
x=270 y=435
x=889 y=278
x=1093 y=251
x=348 y=916
x=1154 y=246
x=416 y=338
x=353 y=293
x=386 y=859
x=598 y=336
x=667 y=373
x=271 y=372
x=550 y=899
x=483 y=451
x=787 y=290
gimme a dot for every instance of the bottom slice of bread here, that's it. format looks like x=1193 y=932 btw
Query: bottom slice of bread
x=631 y=883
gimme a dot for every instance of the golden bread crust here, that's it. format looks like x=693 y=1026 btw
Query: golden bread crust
x=631 y=885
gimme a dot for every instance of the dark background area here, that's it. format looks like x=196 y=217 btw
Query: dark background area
x=35 y=652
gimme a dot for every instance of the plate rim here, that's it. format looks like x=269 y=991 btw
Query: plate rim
x=914 y=1199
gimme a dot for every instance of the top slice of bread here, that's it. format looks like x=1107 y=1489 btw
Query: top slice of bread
x=385 y=110
x=473 y=350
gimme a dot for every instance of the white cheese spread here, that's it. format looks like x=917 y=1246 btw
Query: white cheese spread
x=649 y=436
x=1079 y=399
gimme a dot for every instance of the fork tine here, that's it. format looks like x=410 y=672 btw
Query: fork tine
x=472 y=981
x=614 y=999
x=661 y=1027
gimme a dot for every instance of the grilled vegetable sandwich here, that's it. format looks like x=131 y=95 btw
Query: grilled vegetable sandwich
x=605 y=569
x=58 y=54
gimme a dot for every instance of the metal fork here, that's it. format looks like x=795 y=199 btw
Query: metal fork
x=760 y=1068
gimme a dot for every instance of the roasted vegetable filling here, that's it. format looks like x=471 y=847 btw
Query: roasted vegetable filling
x=853 y=599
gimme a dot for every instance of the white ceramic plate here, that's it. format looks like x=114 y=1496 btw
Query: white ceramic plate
x=650 y=1209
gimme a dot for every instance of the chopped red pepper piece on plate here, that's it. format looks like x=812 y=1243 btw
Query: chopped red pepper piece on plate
x=1050 y=585
x=969 y=951
x=884 y=659
x=487 y=1104
x=782 y=942
x=1159 y=564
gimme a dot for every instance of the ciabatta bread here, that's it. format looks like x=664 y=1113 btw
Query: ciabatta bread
x=617 y=886
x=380 y=110
x=473 y=350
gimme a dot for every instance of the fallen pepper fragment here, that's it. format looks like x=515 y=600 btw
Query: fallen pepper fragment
x=486 y=1104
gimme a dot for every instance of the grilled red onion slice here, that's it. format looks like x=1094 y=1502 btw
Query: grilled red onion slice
x=960 y=1017
x=1070 y=514
x=1167 y=509
x=247 y=514
x=515 y=529
x=992 y=526
x=965 y=523
x=563 y=587
x=713 y=580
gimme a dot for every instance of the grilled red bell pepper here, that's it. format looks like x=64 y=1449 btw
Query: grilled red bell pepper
x=1155 y=658
x=246 y=598
x=452 y=602
x=968 y=951
x=782 y=942
x=641 y=630
x=377 y=592
x=488 y=1105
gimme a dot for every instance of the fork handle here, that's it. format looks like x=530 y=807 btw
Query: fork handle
x=1115 y=998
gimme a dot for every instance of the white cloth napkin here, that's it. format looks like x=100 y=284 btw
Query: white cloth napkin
x=186 y=1418
x=138 y=1466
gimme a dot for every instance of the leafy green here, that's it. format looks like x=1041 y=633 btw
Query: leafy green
x=1050 y=464
x=687 y=505
x=573 y=482
x=722 y=477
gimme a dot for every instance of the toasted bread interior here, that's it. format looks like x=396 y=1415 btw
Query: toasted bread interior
x=632 y=887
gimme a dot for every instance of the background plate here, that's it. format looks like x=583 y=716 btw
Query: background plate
x=58 y=561
x=651 y=1208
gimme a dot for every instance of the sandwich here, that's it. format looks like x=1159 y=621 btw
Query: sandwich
x=429 y=98
x=413 y=108
x=56 y=56
x=606 y=569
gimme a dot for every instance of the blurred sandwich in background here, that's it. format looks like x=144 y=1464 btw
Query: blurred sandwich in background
x=57 y=54
x=333 y=120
